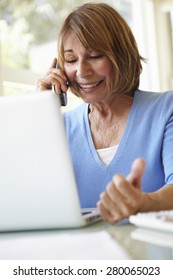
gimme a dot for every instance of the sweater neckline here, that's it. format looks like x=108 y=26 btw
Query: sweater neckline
x=122 y=145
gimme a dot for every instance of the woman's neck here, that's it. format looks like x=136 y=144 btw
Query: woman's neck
x=108 y=120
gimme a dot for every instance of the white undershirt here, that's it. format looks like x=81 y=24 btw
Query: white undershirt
x=107 y=154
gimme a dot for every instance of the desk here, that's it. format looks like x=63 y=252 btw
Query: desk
x=47 y=244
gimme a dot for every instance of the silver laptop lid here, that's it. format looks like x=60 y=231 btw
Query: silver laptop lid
x=37 y=183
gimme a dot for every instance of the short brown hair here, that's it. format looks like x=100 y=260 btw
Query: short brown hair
x=100 y=27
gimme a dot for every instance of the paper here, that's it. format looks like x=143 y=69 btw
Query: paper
x=62 y=246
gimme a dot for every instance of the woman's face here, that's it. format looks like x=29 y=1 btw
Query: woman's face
x=88 y=71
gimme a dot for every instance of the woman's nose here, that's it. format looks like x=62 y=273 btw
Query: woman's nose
x=84 y=69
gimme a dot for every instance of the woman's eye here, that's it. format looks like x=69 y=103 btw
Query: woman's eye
x=70 y=59
x=98 y=56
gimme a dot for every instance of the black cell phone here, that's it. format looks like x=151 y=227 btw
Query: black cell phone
x=62 y=95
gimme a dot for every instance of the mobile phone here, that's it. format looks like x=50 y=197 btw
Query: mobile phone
x=62 y=95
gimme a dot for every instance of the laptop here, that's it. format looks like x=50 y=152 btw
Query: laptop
x=37 y=183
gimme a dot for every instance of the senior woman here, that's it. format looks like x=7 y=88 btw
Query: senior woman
x=120 y=138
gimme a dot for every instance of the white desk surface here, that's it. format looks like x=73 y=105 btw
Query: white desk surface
x=99 y=241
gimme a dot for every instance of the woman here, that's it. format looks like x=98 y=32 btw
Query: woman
x=118 y=125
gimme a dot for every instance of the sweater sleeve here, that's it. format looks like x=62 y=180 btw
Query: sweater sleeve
x=167 y=151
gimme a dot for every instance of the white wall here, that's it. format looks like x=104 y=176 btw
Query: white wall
x=152 y=28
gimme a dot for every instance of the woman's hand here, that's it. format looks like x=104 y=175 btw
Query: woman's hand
x=123 y=196
x=54 y=77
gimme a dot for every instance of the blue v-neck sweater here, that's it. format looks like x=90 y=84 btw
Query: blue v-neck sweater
x=148 y=134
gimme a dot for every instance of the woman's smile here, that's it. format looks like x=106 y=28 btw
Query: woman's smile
x=89 y=87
